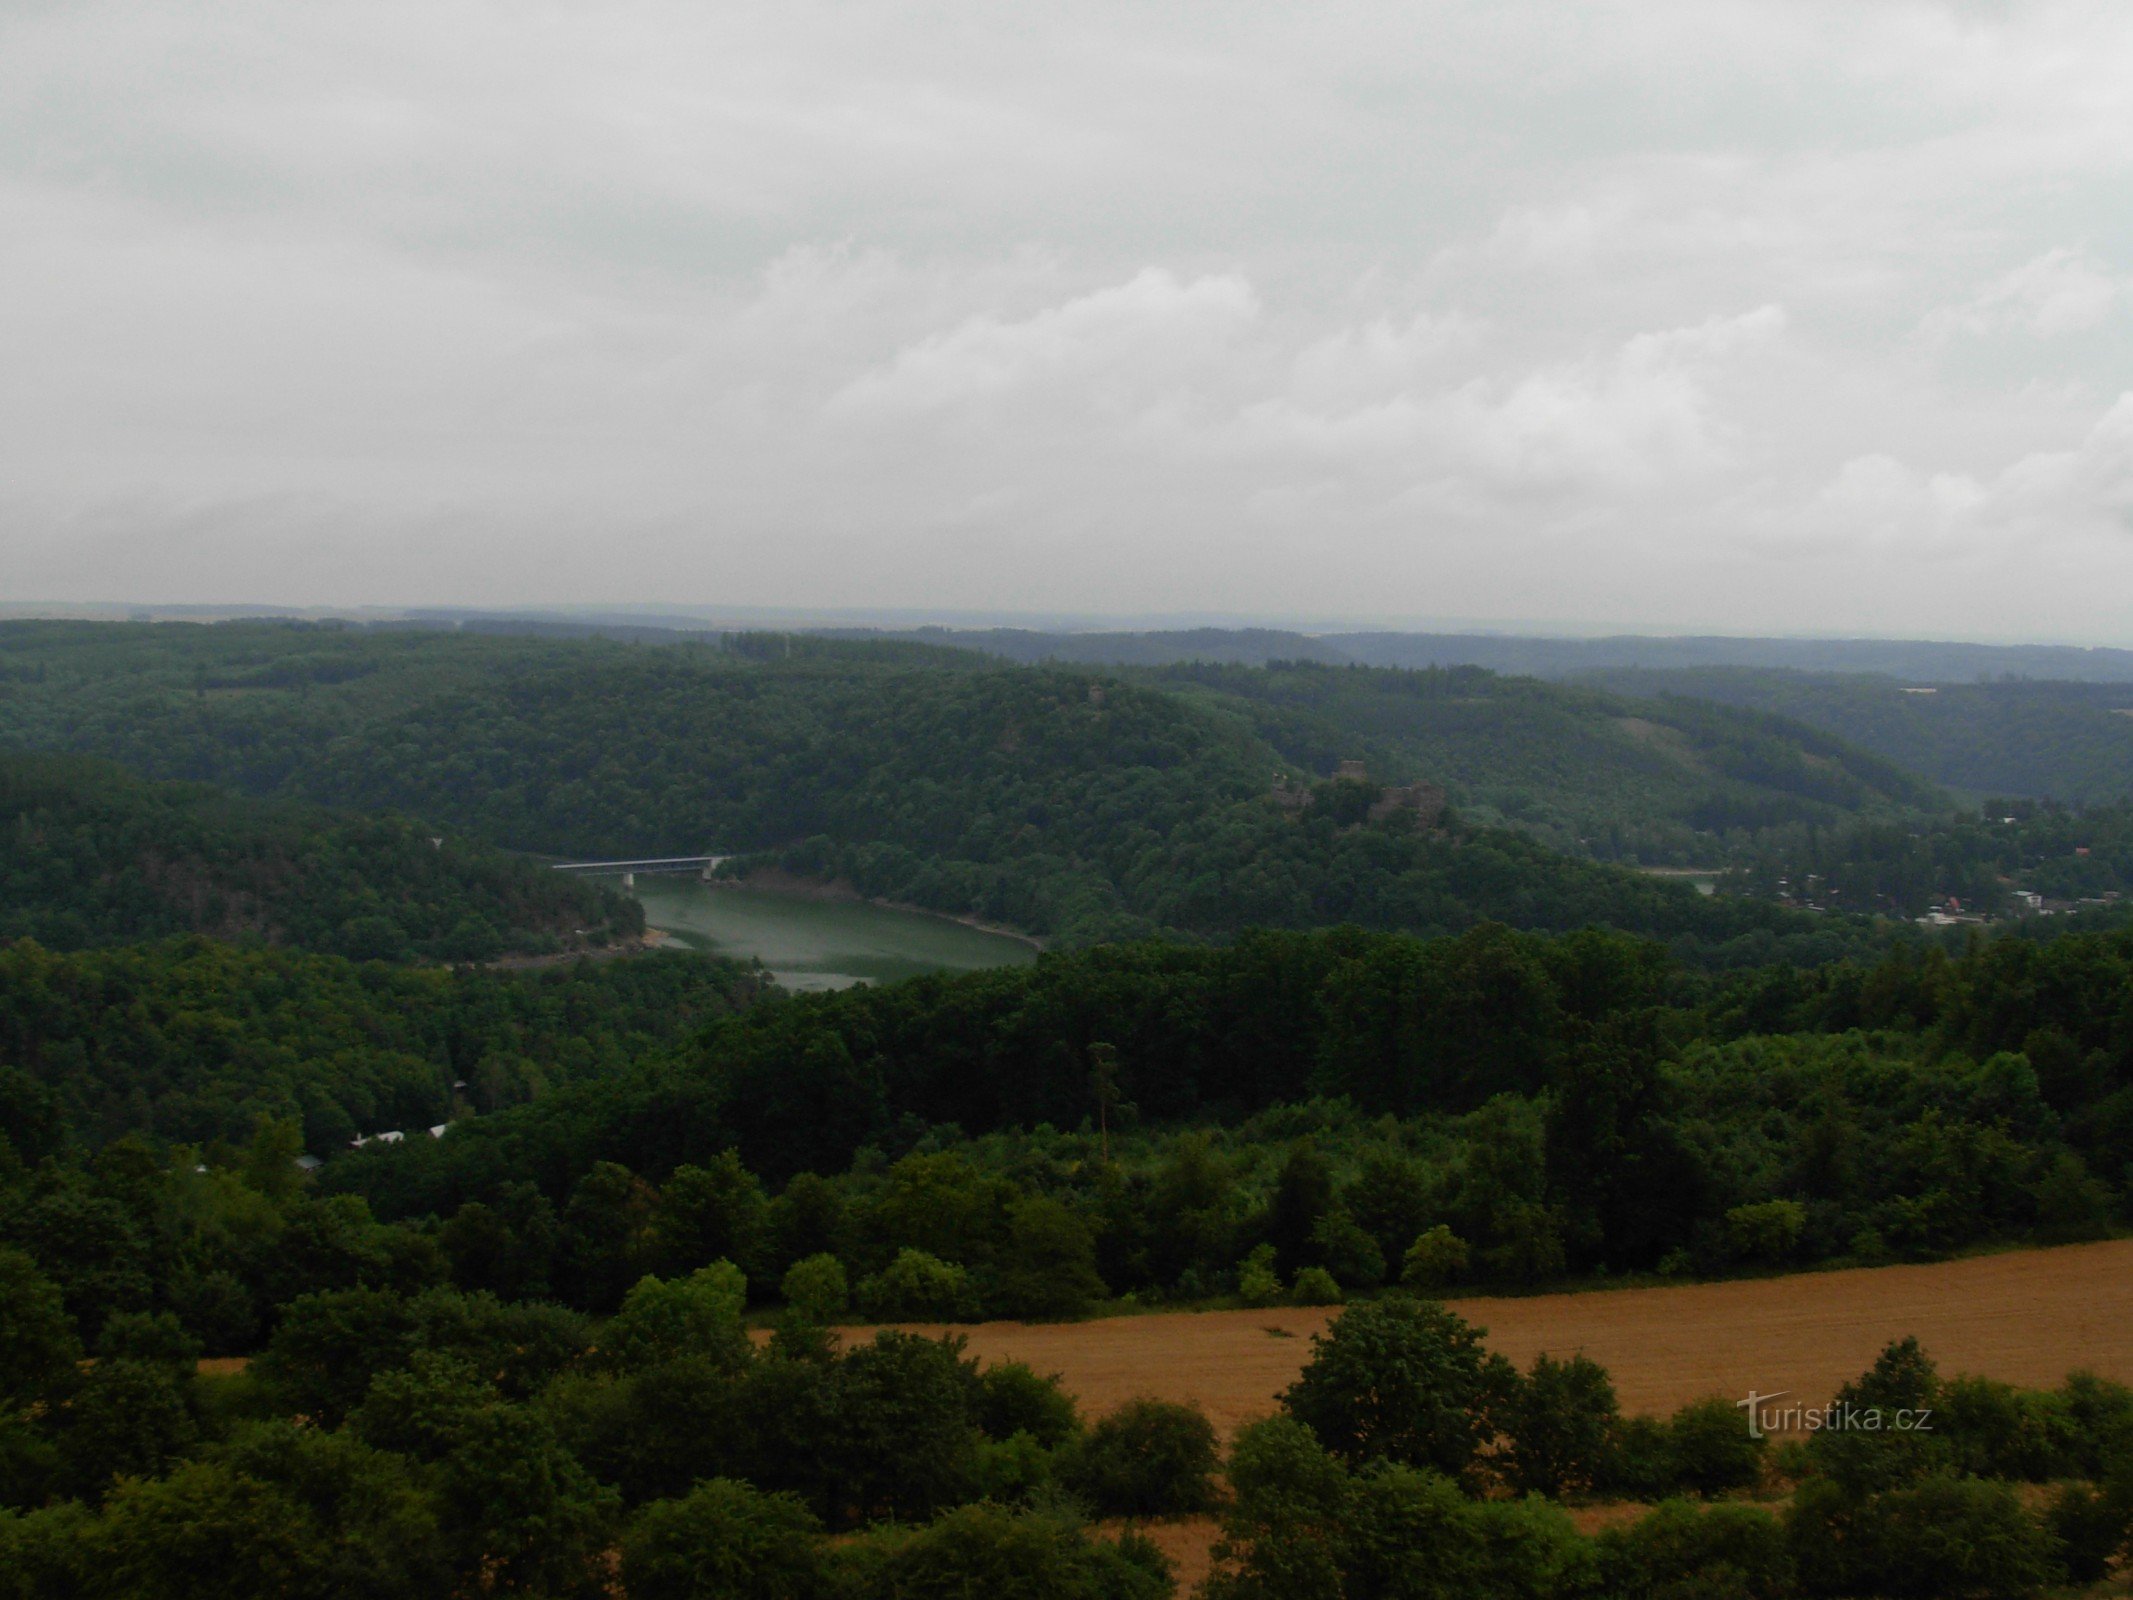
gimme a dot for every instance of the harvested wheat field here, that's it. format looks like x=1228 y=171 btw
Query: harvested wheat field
x=2027 y=1317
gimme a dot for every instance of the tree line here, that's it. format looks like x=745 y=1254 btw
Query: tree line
x=1321 y=1115
x=397 y=1437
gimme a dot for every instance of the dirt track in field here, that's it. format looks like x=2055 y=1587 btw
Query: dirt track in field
x=2027 y=1317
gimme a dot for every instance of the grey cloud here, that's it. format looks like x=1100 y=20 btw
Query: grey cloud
x=1730 y=314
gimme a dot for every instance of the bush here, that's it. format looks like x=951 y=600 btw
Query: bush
x=1436 y=1258
x=1015 y=1471
x=1014 y=1398
x=1149 y=1458
x=1315 y=1286
x=2099 y=1423
x=1994 y=1430
x=1281 y=1538
x=128 y=1419
x=1768 y=1231
x=1902 y=1379
x=1561 y=1424
x=699 y=1315
x=1681 y=1548
x=1941 y=1536
x=1711 y=1449
x=1258 y=1284
x=724 y=1541
x=817 y=1288
x=1048 y=1269
x=905 y=1438
x=1405 y=1381
x=916 y=1287
x=988 y=1550
x=2089 y=1529
x=1638 y=1463
x=1345 y=1251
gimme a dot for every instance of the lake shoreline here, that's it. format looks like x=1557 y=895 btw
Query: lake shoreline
x=841 y=891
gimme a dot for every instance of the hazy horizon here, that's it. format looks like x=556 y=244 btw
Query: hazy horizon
x=1713 y=318
x=711 y=616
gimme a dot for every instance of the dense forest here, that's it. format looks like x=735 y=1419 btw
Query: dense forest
x=1168 y=1117
x=582 y=1338
x=1661 y=781
x=397 y=1437
x=95 y=857
x=191 y=1040
x=1065 y=803
x=2071 y=859
x=2065 y=741
x=514 y=1361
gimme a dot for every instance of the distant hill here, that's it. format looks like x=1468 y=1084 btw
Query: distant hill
x=1081 y=805
x=1661 y=780
x=95 y=857
x=1234 y=646
x=1912 y=661
x=2065 y=741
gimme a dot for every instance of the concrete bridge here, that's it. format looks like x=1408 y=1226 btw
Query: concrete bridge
x=628 y=870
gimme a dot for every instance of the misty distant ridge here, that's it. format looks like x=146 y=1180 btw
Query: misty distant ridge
x=1917 y=661
x=1913 y=661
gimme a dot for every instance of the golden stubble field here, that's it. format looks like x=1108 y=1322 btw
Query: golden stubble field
x=2027 y=1317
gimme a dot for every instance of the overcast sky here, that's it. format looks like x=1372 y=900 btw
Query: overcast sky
x=1786 y=317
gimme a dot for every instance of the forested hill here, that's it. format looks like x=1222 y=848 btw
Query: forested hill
x=1664 y=780
x=193 y=1041
x=94 y=856
x=1065 y=802
x=2071 y=742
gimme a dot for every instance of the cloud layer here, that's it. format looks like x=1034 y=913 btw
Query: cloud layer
x=1800 y=316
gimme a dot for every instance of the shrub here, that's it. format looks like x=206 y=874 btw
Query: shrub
x=1346 y=1252
x=1943 y=1535
x=1902 y=1379
x=1315 y=1286
x=992 y=1551
x=1281 y=1538
x=2099 y=1422
x=2089 y=1529
x=1015 y=1471
x=1398 y=1519
x=816 y=1287
x=1561 y=1424
x=1048 y=1269
x=1638 y=1463
x=1994 y=1430
x=1768 y=1231
x=1711 y=1449
x=916 y=1287
x=128 y=1419
x=1437 y=1257
x=907 y=1442
x=699 y=1315
x=724 y=1541
x=1149 y=1458
x=1681 y=1548
x=1402 y=1380
x=1258 y=1284
x=1014 y=1398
